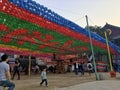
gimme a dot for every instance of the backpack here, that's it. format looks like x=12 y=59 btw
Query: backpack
x=89 y=66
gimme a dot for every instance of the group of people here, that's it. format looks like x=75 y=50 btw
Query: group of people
x=81 y=67
x=5 y=75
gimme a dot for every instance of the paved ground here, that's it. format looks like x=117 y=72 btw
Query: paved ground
x=68 y=81
x=96 y=85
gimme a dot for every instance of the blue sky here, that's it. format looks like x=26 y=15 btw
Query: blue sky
x=98 y=11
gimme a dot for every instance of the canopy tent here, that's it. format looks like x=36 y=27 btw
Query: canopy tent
x=27 y=27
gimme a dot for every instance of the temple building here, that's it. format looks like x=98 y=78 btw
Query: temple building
x=114 y=33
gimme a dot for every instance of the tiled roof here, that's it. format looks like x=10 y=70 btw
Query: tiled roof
x=115 y=30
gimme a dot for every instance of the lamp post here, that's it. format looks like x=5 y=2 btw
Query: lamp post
x=109 y=56
x=112 y=73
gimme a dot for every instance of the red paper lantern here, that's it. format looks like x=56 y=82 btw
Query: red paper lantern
x=6 y=40
x=3 y=27
x=21 y=42
x=42 y=47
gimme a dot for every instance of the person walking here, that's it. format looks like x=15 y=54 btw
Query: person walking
x=90 y=67
x=76 y=65
x=5 y=74
x=16 y=69
x=44 y=77
x=81 y=68
x=36 y=69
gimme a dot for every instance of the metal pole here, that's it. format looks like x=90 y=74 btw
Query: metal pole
x=96 y=74
x=109 y=56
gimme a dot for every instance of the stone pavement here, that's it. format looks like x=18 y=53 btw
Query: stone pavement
x=96 y=85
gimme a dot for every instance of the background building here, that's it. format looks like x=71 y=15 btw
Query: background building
x=114 y=33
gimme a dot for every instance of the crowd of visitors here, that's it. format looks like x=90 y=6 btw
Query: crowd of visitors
x=82 y=68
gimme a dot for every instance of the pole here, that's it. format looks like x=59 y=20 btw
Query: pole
x=29 y=66
x=96 y=74
x=109 y=56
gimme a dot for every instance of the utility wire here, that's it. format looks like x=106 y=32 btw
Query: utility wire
x=79 y=18
x=91 y=21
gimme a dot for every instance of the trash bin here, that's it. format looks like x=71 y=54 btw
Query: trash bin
x=113 y=74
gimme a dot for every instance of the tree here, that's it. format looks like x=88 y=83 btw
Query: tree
x=98 y=30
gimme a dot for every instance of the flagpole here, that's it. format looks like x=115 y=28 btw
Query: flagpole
x=96 y=74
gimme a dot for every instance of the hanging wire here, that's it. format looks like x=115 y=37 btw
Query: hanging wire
x=79 y=18
x=91 y=21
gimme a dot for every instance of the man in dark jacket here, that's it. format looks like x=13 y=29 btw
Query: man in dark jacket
x=76 y=67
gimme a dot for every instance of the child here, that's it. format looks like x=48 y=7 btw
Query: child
x=44 y=77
